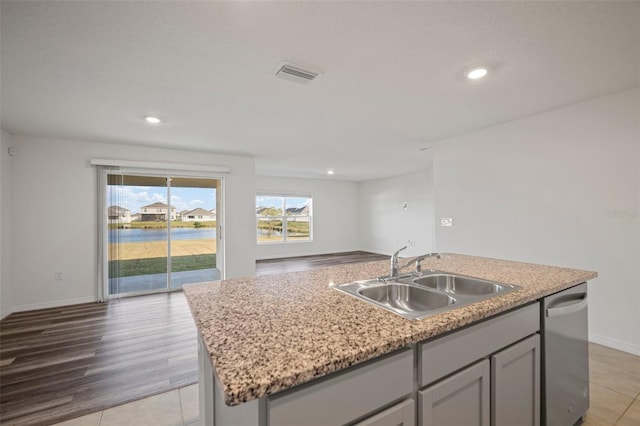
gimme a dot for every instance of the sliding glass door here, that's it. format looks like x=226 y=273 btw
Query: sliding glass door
x=137 y=233
x=193 y=234
x=161 y=232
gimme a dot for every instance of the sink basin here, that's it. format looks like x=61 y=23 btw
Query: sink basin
x=457 y=284
x=414 y=296
x=406 y=297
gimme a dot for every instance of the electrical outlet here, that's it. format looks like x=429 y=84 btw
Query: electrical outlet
x=58 y=276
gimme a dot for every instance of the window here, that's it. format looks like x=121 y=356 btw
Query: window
x=154 y=254
x=281 y=218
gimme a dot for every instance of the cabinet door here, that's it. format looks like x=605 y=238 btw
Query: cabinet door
x=462 y=399
x=515 y=384
x=399 y=415
x=345 y=396
x=444 y=355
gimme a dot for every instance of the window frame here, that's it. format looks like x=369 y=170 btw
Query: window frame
x=284 y=216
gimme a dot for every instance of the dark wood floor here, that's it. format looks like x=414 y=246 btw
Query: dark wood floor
x=61 y=363
x=303 y=263
x=65 y=362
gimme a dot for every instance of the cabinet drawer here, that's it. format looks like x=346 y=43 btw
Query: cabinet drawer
x=345 y=397
x=402 y=414
x=440 y=357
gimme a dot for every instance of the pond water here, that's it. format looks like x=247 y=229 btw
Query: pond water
x=139 y=235
x=160 y=234
x=267 y=233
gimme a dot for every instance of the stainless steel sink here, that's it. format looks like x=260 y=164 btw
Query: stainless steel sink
x=458 y=284
x=419 y=295
x=406 y=297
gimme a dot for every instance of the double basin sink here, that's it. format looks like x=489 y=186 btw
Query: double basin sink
x=422 y=294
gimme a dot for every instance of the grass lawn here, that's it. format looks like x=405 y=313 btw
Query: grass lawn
x=158 y=265
x=151 y=249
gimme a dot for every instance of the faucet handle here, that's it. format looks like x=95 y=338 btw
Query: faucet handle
x=419 y=259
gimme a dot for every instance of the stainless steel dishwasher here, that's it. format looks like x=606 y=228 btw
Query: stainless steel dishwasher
x=565 y=381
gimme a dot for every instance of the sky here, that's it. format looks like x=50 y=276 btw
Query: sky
x=134 y=197
x=267 y=201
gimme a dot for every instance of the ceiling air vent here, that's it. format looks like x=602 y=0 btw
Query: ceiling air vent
x=296 y=74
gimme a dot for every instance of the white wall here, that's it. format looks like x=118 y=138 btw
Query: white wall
x=6 y=300
x=560 y=188
x=53 y=206
x=335 y=216
x=385 y=225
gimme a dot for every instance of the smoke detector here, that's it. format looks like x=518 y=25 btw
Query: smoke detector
x=296 y=74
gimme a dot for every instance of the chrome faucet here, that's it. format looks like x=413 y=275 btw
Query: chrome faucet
x=419 y=259
x=394 y=262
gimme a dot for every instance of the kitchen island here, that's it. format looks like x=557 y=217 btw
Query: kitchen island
x=264 y=338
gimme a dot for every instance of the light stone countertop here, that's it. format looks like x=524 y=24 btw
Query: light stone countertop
x=269 y=333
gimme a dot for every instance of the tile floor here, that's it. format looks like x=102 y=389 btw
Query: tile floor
x=614 y=382
x=178 y=407
x=615 y=387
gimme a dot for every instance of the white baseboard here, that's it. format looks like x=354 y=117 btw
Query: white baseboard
x=615 y=343
x=54 y=304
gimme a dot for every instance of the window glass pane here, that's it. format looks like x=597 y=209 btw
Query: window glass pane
x=193 y=231
x=269 y=206
x=272 y=212
x=298 y=206
x=269 y=230
x=137 y=220
x=298 y=229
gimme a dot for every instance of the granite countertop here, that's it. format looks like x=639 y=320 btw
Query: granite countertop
x=269 y=333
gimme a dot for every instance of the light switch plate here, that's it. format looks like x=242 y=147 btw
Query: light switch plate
x=446 y=221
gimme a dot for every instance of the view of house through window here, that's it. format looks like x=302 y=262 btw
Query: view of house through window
x=161 y=232
x=283 y=218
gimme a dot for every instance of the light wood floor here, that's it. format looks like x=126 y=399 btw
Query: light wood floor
x=61 y=363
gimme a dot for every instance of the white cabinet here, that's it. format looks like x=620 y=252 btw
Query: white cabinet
x=502 y=392
x=402 y=414
x=347 y=396
x=515 y=384
x=444 y=355
x=487 y=374
x=462 y=399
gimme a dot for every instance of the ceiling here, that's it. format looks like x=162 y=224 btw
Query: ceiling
x=392 y=74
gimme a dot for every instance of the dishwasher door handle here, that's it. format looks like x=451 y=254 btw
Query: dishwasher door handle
x=566 y=310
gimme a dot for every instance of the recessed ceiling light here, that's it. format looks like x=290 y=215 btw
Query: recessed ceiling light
x=477 y=73
x=330 y=172
x=152 y=120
